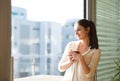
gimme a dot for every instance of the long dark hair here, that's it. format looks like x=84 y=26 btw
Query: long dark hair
x=92 y=34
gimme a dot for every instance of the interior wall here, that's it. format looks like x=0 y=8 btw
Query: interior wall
x=5 y=14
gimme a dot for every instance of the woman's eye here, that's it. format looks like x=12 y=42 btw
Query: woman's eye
x=78 y=29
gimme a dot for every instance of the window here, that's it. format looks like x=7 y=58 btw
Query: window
x=14 y=13
x=22 y=14
x=15 y=28
x=39 y=34
x=69 y=37
x=35 y=28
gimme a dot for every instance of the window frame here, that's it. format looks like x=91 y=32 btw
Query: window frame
x=6 y=61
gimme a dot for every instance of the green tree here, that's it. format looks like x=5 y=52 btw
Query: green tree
x=116 y=76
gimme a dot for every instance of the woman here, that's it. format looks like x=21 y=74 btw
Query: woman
x=81 y=65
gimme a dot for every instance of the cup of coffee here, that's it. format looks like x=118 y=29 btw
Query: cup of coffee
x=77 y=52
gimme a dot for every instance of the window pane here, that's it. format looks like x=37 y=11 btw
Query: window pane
x=40 y=31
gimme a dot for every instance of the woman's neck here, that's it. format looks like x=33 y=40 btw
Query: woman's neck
x=83 y=46
x=85 y=42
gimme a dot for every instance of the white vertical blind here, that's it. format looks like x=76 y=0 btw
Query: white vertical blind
x=108 y=27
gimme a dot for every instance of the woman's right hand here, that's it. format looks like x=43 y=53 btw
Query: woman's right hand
x=70 y=57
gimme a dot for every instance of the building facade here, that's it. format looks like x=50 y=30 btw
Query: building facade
x=36 y=46
x=68 y=33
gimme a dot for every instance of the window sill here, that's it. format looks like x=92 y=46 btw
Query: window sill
x=41 y=78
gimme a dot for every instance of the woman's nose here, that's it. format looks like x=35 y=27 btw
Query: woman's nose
x=76 y=32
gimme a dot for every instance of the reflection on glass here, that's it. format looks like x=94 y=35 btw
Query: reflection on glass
x=40 y=34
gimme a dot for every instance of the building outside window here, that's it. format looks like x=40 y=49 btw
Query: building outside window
x=37 y=40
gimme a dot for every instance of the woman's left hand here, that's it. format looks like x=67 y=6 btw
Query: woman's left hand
x=76 y=56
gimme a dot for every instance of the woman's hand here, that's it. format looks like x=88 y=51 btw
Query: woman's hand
x=75 y=55
x=70 y=57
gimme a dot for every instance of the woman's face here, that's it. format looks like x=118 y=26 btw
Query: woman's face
x=81 y=32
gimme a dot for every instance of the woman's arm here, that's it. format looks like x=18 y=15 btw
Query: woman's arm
x=64 y=65
x=66 y=60
x=85 y=67
x=93 y=64
x=89 y=70
x=77 y=56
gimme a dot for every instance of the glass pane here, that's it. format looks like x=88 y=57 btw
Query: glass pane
x=40 y=31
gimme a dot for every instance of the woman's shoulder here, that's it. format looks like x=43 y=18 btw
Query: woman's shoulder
x=72 y=43
x=97 y=51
